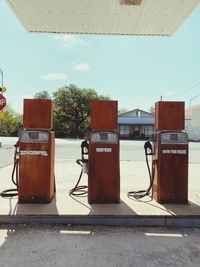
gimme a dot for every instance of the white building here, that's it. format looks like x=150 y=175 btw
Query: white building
x=136 y=123
x=192 y=122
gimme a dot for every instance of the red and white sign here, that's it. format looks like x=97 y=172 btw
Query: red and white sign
x=2 y=102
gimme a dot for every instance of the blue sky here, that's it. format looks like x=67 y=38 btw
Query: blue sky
x=136 y=71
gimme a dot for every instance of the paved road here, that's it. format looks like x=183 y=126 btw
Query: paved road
x=70 y=149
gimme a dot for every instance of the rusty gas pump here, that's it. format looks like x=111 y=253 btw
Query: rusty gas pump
x=103 y=172
x=101 y=158
x=34 y=154
x=168 y=148
x=170 y=159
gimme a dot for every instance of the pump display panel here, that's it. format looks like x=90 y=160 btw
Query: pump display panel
x=104 y=138
x=174 y=138
x=34 y=137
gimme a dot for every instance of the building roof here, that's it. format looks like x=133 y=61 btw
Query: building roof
x=136 y=110
x=136 y=121
x=115 y=17
x=188 y=111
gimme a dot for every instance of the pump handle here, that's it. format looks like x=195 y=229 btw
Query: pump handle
x=84 y=149
x=148 y=148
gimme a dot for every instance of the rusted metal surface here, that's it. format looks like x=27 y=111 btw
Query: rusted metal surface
x=36 y=172
x=103 y=177
x=104 y=115
x=170 y=115
x=171 y=173
x=38 y=113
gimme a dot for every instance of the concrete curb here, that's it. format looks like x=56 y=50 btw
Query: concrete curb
x=191 y=221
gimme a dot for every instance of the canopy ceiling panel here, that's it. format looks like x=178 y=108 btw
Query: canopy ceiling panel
x=115 y=17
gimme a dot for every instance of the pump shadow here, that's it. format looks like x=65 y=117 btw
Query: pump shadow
x=151 y=206
x=118 y=209
x=191 y=208
x=36 y=209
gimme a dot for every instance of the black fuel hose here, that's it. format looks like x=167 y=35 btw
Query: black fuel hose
x=142 y=193
x=13 y=192
x=79 y=190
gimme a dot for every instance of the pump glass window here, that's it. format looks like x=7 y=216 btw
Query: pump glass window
x=34 y=137
x=174 y=137
x=104 y=138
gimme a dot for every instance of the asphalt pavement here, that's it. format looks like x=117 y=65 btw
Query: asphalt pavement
x=130 y=150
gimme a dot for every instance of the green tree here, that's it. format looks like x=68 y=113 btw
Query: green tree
x=122 y=110
x=42 y=95
x=72 y=106
x=11 y=122
x=152 y=110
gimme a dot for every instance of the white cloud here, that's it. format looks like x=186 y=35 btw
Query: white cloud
x=81 y=67
x=169 y=93
x=55 y=76
x=69 y=40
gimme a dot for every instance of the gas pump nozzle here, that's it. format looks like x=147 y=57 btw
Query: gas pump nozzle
x=148 y=148
x=84 y=151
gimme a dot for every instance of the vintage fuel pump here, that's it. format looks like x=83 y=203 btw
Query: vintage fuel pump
x=102 y=164
x=103 y=172
x=169 y=150
x=35 y=152
x=170 y=159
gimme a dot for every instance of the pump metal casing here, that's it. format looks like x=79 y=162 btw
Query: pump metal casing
x=36 y=166
x=103 y=175
x=171 y=167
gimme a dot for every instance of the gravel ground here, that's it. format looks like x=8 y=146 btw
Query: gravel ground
x=43 y=245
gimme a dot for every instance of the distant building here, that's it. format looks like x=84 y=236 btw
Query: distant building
x=192 y=122
x=136 y=123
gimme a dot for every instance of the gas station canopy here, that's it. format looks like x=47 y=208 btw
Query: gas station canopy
x=114 y=17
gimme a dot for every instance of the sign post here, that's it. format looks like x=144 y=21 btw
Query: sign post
x=1 y=127
x=2 y=102
x=2 y=105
